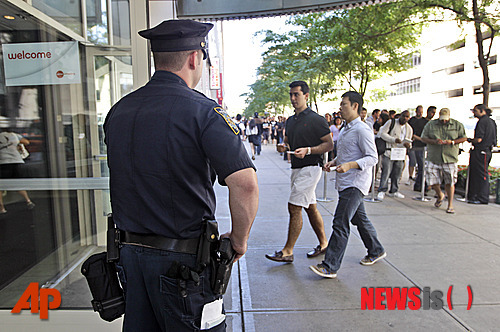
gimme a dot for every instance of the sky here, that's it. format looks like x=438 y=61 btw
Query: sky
x=243 y=55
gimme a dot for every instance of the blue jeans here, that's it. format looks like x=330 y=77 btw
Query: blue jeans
x=152 y=300
x=350 y=208
x=392 y=169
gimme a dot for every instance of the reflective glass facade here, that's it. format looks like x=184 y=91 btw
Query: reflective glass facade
x=65 y=174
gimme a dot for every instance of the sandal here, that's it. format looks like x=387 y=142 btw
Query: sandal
x=450 y=210
x=439 y=202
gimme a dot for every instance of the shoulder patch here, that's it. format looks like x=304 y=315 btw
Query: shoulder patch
x=228 y=120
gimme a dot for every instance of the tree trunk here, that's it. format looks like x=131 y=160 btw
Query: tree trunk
x=483 y=62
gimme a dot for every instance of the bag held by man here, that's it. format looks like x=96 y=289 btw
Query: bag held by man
x=380 y=143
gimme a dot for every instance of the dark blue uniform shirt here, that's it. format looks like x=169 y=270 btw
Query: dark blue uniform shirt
x=166 y=145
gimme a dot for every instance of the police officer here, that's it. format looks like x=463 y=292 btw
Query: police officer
x=167 y=144
x=485 y=138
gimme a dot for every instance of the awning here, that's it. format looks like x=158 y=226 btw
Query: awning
x=241 y=9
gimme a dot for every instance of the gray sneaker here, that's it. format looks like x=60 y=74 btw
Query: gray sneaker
x=323 y=271
x=370 y=260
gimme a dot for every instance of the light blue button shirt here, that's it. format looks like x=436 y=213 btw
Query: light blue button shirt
x=356 y=143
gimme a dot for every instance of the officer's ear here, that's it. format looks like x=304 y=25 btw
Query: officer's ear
x=195 y=59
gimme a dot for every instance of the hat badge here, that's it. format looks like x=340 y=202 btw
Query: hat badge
x=203 y=44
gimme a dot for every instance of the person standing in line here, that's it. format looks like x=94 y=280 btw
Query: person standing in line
x=419 y=146
x=485 y=138
x=162 y=194
x=372 y=119
x=397 y=133
x=308 y=136
x=412 y=158
x=357 y=155
x=442 y=137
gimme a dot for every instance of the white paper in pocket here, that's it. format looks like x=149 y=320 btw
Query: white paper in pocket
x=212 y=315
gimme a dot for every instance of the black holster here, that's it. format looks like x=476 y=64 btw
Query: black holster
x=102 y=278
x=208 y=244
x=222 y=264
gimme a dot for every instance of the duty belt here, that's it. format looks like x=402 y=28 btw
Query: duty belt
x=186 y=246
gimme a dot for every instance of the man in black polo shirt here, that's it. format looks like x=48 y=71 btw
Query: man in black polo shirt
x=308 y=136
x=418 y=147
x=485 y=138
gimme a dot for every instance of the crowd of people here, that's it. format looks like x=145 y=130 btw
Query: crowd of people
x=401 y=145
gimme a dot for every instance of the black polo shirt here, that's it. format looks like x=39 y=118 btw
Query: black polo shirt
x=166 y=145
x=486 y=128
x=418 y=126
x=306 y=130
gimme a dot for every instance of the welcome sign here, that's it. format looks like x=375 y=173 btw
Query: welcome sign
x=41 y=63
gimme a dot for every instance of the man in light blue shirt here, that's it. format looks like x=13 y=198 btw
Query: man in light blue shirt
x=356 y=155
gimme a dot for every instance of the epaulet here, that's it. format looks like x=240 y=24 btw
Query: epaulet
x=228 y=119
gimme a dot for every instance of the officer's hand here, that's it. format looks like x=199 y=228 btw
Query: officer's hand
x=407 y=145
x=326 y=167
x=240 y=250
x=398 y=140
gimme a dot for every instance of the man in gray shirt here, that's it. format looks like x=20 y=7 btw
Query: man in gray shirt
x=356 y=155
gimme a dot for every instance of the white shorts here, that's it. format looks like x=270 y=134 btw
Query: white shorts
x=303 y=185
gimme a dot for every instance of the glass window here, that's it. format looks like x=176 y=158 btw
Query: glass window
x=68 y=13
x=120 y=17
x=97 y=22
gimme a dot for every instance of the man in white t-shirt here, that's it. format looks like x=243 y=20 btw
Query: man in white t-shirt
x=398 y=137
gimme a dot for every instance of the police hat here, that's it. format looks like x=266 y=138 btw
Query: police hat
x=178 y=35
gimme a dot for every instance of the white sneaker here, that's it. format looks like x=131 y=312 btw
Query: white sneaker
x=380 y=196
x=397 y=194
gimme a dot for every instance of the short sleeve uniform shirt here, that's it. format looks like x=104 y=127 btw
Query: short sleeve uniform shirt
x=166 y=145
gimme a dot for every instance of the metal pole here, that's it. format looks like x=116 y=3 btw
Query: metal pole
x=422 y=197
x=325 y=180
x=372 y=199
x=466 y=182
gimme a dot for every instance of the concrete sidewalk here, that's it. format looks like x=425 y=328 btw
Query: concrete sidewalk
x=426 y=247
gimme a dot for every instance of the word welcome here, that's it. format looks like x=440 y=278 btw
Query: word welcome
x=29 y=55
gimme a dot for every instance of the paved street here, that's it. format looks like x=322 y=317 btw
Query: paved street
x=426 y=248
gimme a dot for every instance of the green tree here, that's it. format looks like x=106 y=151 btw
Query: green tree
x=329 y=49
x=485 y=15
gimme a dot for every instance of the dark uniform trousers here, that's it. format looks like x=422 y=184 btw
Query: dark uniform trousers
x=479 y=178
x=153 y=300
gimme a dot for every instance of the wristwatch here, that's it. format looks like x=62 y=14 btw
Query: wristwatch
x=308 y=151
